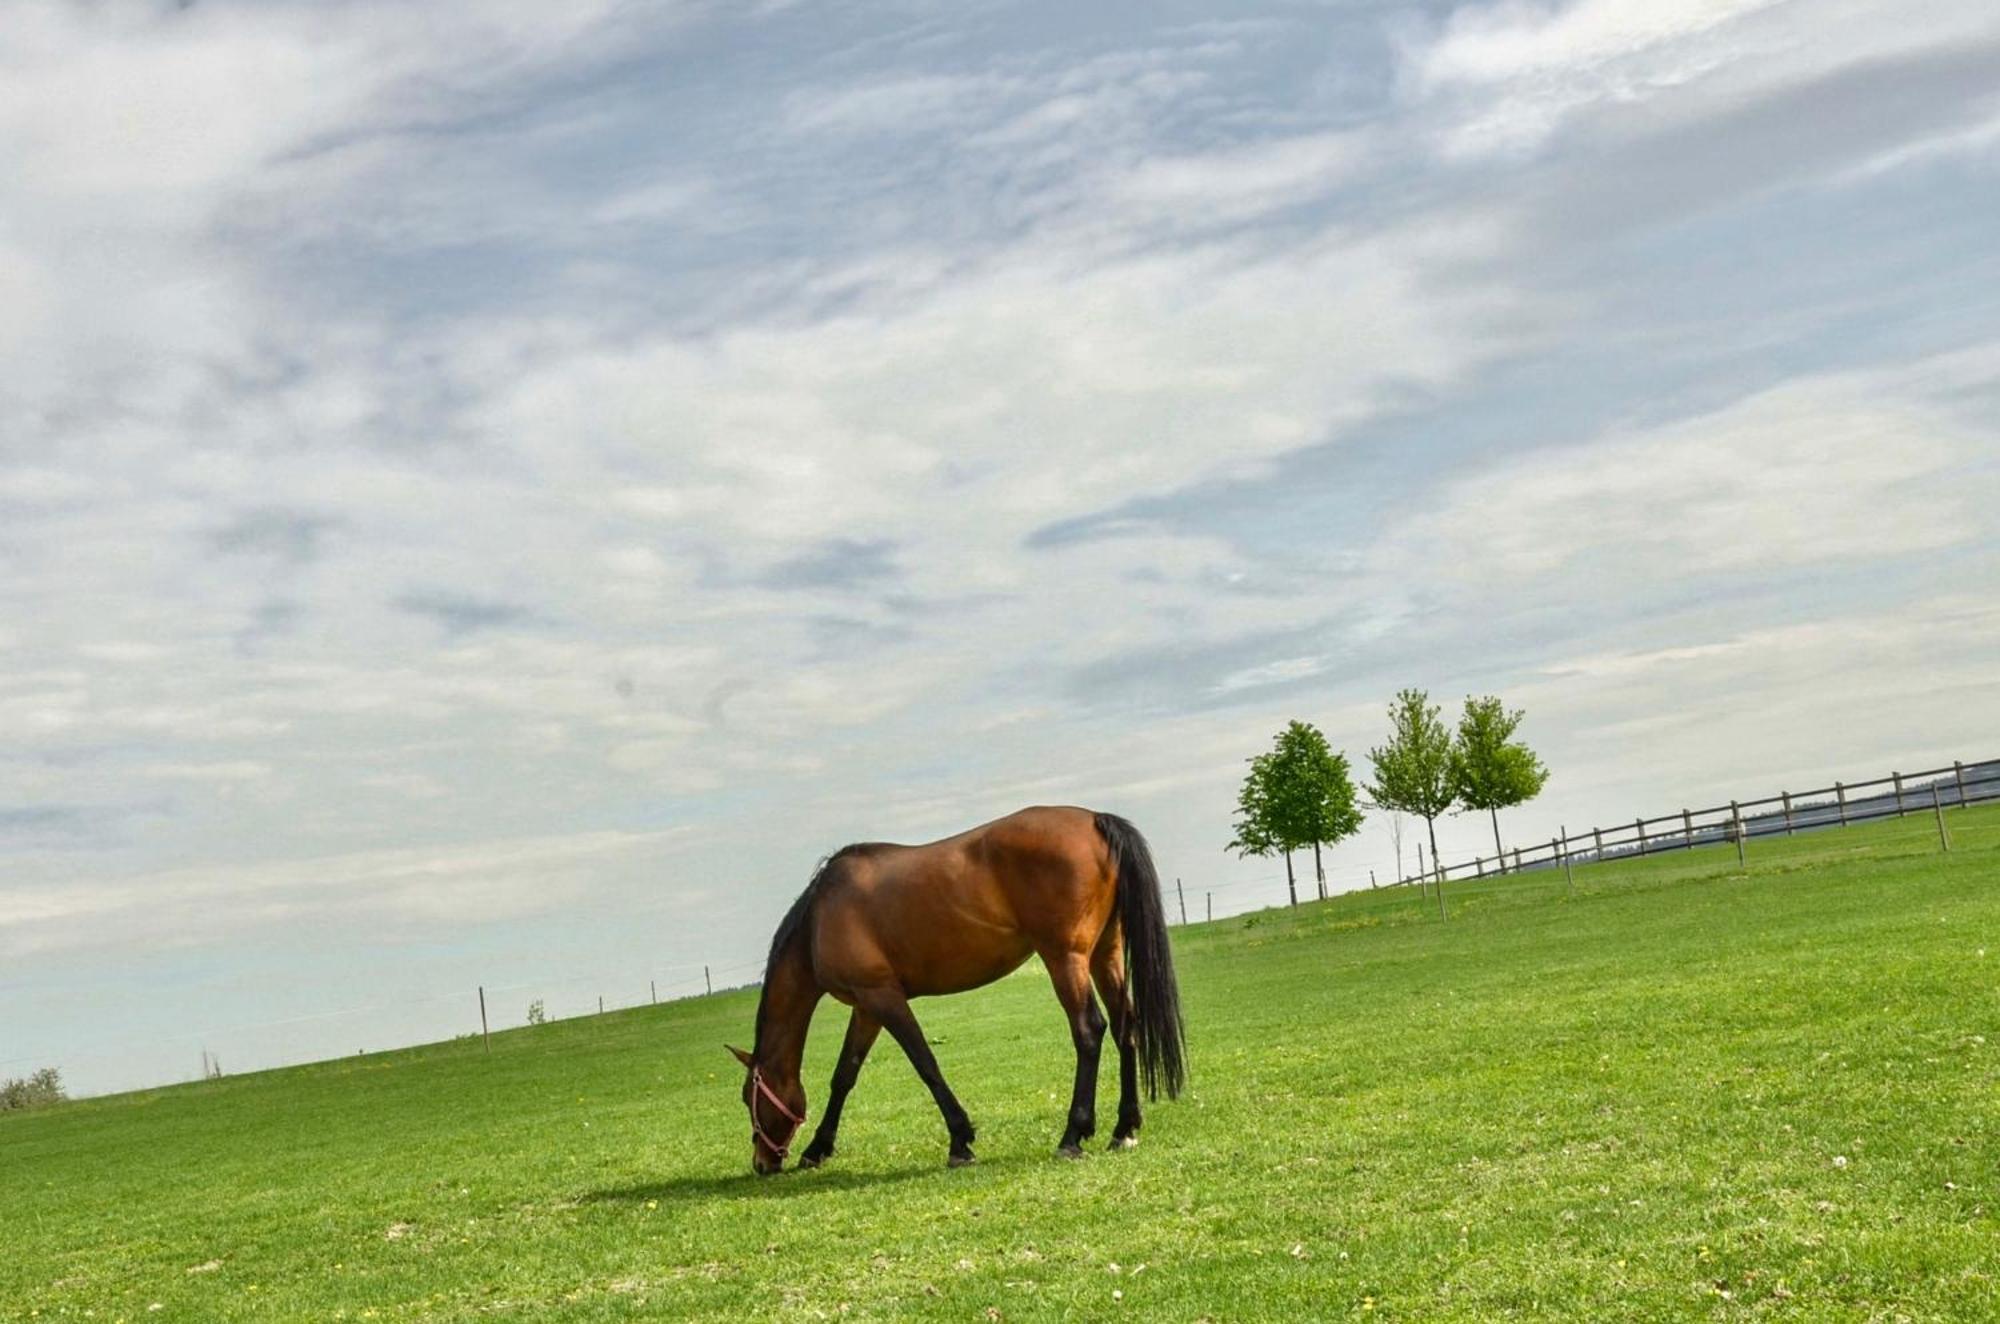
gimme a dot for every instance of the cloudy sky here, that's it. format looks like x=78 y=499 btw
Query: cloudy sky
x=490 y=493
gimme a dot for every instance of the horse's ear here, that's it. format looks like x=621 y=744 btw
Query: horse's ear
x=741 y=1056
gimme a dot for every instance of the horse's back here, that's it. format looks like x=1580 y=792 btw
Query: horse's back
x=963 y=911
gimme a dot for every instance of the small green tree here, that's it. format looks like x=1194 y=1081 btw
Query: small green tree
x=1262 y=824
x=536 y=1015
x=1320 y=789
x=1413 y=772
x=1492 y=770
x=1297 y=794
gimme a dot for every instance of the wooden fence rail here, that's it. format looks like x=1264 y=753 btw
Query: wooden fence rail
x=1739 y=821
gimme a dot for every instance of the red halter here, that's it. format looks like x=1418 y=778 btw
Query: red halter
x=757 y=1086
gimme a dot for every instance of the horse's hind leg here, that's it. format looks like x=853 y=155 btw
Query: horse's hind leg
x=889 y=1007
x=861 y=1031
x=1107 y=966
x=1070 y=972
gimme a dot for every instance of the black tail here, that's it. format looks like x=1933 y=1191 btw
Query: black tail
x=1149 y=961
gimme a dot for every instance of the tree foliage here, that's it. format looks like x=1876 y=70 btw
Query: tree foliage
x=36 y=1091
x=1256 y=818
x=1296 y=794
x=1319 y=792
x=1490 y=769
x=1413 y=772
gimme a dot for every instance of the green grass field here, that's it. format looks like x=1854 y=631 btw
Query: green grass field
x=1687 y=1092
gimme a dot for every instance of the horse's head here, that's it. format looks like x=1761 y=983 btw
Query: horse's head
x=777 y=1112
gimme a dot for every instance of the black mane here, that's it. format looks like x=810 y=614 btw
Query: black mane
x=796 y=923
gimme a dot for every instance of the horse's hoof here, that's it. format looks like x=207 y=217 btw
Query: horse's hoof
x=960 y=1160
x=1069 y=1151
x=807 y=1162
x=1124 y=1142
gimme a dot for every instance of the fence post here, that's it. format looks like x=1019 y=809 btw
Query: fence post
x=1597 y=835
x=485 y=1035
x=1897 y=777
x=1687 y=828
x=1211 y=907
x=1937 y=807
x=1840 y=798
x=1479 y=864
x=1641 y=823
x=1517 y=859
x=1562 y=848
x=1372 y=884
x=1787 y=797
x=1438 y=864
x=1958 y=772
x=653 y=988
x=706 y=982
x=600 y=1004
x=1736 y=829
x=1183 y=896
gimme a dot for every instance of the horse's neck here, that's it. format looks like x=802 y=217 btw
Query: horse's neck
x=790 y=994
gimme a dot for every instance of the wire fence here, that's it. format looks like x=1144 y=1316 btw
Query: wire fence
x=315 y=1036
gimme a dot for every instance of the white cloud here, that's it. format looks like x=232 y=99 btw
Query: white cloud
x=1836 y=470
x=1211 y=188
x=492 y=879
x=1511 y=74
x=1271 y=673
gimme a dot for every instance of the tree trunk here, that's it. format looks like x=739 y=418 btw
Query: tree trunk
x=1438 y=865
x=1319 y=871
x=1499 y=853
x=1290 y=884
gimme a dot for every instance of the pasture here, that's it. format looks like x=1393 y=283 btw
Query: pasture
x=1691 y=1091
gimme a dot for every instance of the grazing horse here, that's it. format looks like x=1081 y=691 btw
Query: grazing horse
x=880 y=925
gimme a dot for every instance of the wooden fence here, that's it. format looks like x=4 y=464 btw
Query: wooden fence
x=1740 y=821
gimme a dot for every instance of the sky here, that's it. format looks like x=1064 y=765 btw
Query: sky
x=490 y=494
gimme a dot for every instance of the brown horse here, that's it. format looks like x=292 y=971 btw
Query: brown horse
x=880 y=925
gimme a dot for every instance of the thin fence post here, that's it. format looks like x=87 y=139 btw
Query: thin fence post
x=1840 y=799
x=1687 y=828
x=1438 y=864
x=1517 y=859
x=1479 y=864
x=1937 y=807
x=1786 y=796
x=706 y=982
x=1736 y=829
x=1897 y=777
x=1597 y=836
x=1183 y=896
x=600 y=1004
x=1211 y=907
x=485 y=1035
x=653 y=988
x=1372 y=884
x=1958 y=772
x=1562 y=848
x=1641 y=823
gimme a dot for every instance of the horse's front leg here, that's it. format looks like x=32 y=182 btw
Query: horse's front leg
x=1070 y=972
x=861 y=1031
x=892 y=1009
